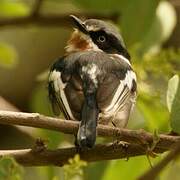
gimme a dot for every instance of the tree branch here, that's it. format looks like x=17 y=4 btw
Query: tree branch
x=139 y=141
x=71 y=127
x=59 y=157
x=153 y=173
x=50 y=20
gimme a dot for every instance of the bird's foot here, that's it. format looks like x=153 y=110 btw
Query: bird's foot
x=40 y=145
x=124 y=145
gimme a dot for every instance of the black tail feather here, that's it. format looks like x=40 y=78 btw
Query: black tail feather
x=86 y=136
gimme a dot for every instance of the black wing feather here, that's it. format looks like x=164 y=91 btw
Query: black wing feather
x=54 y=96
x=56 y=101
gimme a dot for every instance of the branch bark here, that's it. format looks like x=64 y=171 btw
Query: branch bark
x=59 y=157
x=139 y=141
x=140 y=137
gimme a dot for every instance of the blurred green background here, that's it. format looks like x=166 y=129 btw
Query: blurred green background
x=151 y=31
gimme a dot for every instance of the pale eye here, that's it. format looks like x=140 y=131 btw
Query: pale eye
x=101 y=39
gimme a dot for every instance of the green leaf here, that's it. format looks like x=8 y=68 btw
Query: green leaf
x=122 y=169
x=9 y=169
x=136 y=20
x=154 y=112
x=73 y=170
x=160 y=30
x=8 y=56
x=131 y=169
x=172 y=90
x=173 y=102
x=100 y=6
x=16 y=8
x=168 y=19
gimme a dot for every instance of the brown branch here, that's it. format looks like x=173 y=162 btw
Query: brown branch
x=51 y=20
x=139 y=141
x=59 y=157
x=153 y=173
x=70 y=127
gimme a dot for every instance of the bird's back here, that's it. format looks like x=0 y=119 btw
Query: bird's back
x=110 y=75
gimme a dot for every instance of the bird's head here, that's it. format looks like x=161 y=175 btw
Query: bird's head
x=97 y=35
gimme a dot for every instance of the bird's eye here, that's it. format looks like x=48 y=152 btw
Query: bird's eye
x=101 y=39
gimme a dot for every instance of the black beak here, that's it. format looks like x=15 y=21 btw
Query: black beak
x=80 y=25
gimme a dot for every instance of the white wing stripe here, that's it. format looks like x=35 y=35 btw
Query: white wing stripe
x=59 y=88
x=123 y=58
x=116 y=96
x=119 y=94
x=130 y=75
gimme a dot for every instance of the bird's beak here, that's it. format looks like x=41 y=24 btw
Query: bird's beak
x=79 y=24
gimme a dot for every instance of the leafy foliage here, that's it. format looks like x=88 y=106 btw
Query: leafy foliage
x=159 y=30
x=8 y=56
x=73 y=170
x=172 y=90
x=119 y=169
x=13 y=8
x=173 y=102
x=10 y=170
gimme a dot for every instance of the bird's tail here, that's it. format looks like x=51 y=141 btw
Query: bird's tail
x=86 y=136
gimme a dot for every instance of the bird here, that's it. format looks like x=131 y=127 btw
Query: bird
x=93 y=82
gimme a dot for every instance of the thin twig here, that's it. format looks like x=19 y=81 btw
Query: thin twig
x=71 y=127
x=153 y=173
x=51 y=20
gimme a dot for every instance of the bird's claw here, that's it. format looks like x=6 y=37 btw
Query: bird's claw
x=40 y=145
